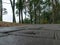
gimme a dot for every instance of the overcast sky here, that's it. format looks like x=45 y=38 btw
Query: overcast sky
x=8 y=16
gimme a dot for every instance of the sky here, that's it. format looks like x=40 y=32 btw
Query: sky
x=8 y=17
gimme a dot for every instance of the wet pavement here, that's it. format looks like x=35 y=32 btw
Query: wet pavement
x=44 y=34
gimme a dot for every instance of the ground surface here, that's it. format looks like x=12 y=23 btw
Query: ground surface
x=8 y=24
x=43 y=34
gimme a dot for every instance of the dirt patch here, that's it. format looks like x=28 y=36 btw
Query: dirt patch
x=8 y=24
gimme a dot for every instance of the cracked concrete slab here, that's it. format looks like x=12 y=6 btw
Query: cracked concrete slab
x=8 y=29
x=22 y=40
x=43 y=26
x=30 y=35
x=34 y=33
x=2 y=35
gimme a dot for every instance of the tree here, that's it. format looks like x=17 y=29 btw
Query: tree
x=25 y=8
x=47 y=13
x=55 y=10
x=30 y=11
x=40 y=11
x=35 y=10
x=19 y=6
x=0 y=10
x=27 y=20
x=13 y=9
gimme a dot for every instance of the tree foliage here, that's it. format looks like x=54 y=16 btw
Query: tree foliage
x=19 y=6
x=47 y=11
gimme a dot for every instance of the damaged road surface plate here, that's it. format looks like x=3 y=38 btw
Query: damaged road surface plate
x=47 y=35
x=28 y=37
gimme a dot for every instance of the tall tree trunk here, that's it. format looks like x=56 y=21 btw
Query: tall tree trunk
x=34 y=13
x=19 y=16
x=30 y=9
x=39 y=16
x=44 y=17
x=54 y=13
x=30 y=17
x=35 y=16
x=25 y=12
x=1 y=10
x=39 y=12
x=53 y=8
x=13 y=9
x=56 y=10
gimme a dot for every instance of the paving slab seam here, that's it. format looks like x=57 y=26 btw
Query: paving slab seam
x=32 y=36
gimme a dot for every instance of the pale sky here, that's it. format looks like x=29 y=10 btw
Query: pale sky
x=8 y=17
